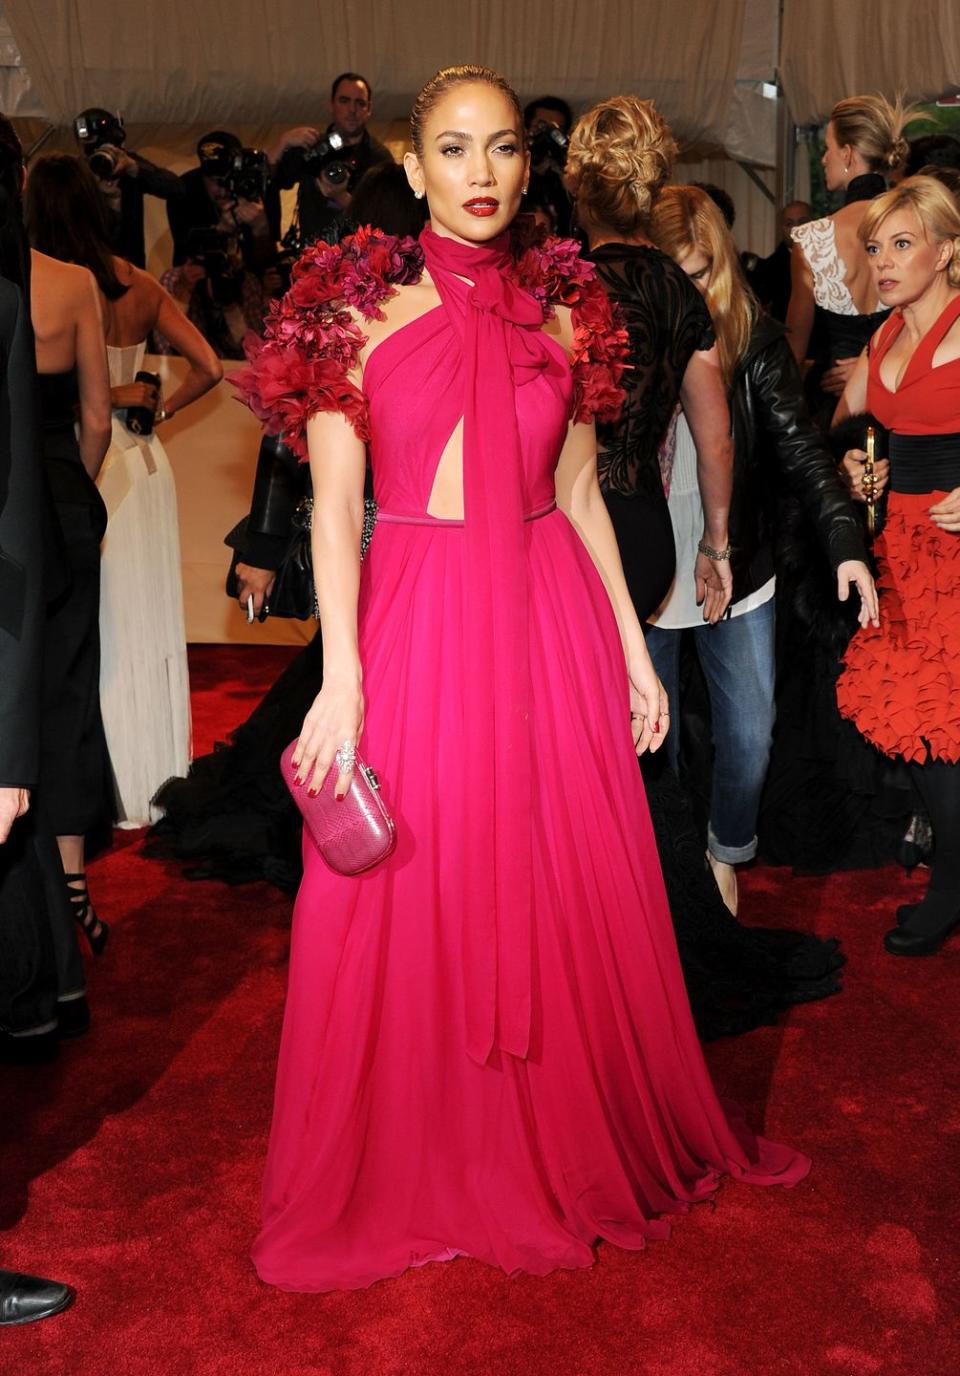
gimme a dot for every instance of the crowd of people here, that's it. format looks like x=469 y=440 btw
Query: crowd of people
x=609 y=496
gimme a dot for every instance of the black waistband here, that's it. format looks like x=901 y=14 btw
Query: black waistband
x=924 y=463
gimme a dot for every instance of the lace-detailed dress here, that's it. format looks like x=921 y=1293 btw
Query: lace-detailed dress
x=487 y=1047
x=840 y=330
x=144 y=688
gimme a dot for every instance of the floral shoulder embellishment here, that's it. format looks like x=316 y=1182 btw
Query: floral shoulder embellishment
x=311 y=342
x=555 y=273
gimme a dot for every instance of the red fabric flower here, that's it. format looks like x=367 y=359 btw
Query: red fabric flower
x=312 y=341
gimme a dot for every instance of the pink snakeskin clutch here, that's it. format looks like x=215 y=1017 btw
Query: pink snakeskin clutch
x=352 y=835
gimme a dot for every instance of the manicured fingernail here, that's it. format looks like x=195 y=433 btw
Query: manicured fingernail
x=312 y=792
x=339 y=797
x=656 y=726
x=298 y=781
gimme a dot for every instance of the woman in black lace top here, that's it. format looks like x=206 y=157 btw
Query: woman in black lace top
x=621 y=154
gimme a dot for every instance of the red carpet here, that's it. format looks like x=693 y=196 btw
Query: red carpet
x=131 y=1168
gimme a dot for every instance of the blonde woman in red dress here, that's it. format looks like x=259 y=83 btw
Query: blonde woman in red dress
x=901 y=681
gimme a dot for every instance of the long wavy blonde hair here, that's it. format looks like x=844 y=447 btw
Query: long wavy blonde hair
x=685 y=219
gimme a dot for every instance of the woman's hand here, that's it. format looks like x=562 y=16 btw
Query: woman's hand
x=946 y=514
x=254 y=582
x=836 y=377
x=335 y=717
x=143 y=394
x=14 y=802
x=854 y=572
x=649 y=708
x=714 y=580
x=853 y=473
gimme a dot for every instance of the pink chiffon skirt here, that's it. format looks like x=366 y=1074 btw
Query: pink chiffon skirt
x=390 y=1146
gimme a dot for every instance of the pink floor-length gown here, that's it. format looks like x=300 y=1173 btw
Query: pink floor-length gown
x=396 y=1138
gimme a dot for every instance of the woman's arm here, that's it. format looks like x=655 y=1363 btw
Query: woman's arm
x=854 y=399
x=704 y=402
x=206 y=370
x=801 y=308
x=337 y=465
x=579 y=496
x=780 y=406
x=93 y=378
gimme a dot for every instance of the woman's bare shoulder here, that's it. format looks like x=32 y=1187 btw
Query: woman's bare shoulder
x=69 y=278
x=405 y=304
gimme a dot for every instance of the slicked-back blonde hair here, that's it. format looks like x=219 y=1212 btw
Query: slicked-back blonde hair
x=933 y=206
x=621 y=153
x=874 y=127
x=686 y=219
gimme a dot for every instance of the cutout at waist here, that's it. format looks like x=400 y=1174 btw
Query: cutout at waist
x=451 y=522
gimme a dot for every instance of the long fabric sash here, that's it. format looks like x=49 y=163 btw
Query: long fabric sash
x=498 y=325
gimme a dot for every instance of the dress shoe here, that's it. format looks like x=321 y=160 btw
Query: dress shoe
x=24 y=1299
x=905 y=912
x=902 y=941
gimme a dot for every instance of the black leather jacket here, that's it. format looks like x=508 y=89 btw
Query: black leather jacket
x=775 y=443
x=261 y=539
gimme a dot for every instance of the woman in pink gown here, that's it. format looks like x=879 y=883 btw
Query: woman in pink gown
x=487 y=1048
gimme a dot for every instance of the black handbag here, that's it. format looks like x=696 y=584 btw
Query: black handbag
x=292 y=594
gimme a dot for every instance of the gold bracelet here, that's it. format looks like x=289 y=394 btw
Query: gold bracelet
x=712 y=553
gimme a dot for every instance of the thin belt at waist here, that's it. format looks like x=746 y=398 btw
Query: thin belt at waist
x=444 y=523
x=924 y=463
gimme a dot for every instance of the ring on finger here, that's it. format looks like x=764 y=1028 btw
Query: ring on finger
x=346 y=757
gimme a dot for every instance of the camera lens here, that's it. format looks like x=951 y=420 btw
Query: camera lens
x=103 y=163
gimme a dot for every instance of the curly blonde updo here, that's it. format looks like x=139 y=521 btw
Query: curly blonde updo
x=874 y=127
x=621 y=154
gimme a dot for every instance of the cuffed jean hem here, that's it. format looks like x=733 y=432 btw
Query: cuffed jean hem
x=730 y=855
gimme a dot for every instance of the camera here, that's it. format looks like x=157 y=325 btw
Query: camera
x=242 y=172
x=100 y=133
x=329 y=156
x=549 y=142
x=211 y=249
x=247 y=176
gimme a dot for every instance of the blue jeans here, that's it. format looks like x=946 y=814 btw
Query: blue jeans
x=737 y=658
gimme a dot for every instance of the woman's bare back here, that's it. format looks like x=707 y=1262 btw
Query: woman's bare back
x=63 y=297
x=857 y=275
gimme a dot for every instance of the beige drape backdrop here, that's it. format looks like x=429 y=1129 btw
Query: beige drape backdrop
x=836 y=48
x=269 y=61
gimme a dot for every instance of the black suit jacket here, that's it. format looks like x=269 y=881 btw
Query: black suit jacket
x=21 y=549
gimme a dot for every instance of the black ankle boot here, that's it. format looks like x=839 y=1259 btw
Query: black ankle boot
x=924 y=928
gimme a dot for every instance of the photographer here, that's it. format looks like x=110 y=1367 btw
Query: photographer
x=124 y=178
x=217 y=292
x=548 y=121
x=229 y=192
x=328 y=166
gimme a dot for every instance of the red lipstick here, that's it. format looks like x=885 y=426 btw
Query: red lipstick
x=482 y=206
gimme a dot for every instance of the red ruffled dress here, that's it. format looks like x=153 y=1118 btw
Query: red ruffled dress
x=900 y=685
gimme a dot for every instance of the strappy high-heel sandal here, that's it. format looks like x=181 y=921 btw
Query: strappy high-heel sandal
x=94 y=929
